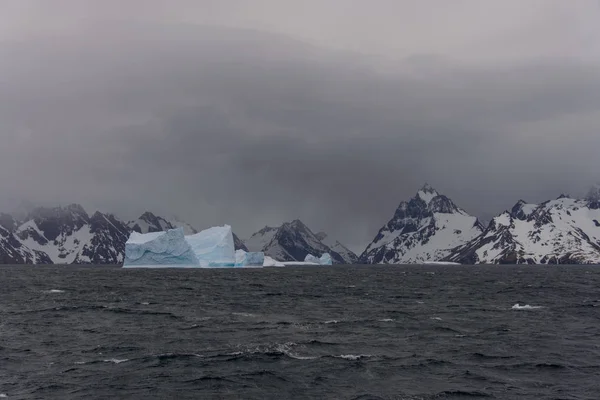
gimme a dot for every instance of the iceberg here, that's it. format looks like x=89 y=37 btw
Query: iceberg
x=310 y=259
x=249 y=259
x=326 y=259
x=159 y=248
x=270 y=262
x=213 y=247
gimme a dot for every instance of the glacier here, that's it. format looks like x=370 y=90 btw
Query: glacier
x=159 y=248
x=249 y=259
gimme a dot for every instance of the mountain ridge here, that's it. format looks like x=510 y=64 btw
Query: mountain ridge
x=425 y=228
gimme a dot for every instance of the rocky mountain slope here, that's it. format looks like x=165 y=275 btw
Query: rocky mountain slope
x=561 y=231
x=425 y=228
x=293 y=241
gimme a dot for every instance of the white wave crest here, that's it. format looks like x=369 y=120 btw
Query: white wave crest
x=525 y=307
x=286 y=348
x=54 y=291
x=386 y=320
x=332 y=321
x=115 y=361
x=353 y=357
x=243 y=314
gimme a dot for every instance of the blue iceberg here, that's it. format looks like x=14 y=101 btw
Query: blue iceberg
x=159 y=248
x=249 y=259
x=310 y=259
x=213 y=247
x=324 y=260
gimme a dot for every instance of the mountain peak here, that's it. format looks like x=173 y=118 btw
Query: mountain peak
x=426 y=219
x=427 y=188
x=71 y=211
x=267 y=229
x=427 y=193
x=297 y=224
x=148 y=216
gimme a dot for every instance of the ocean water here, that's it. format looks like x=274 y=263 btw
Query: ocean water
x=410 y=332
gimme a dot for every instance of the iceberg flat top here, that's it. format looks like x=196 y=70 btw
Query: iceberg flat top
x=159 y=248
x=140 y=238
x=204 y=242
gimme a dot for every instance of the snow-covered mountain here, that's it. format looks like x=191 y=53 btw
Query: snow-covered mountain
x=561 y=231
x=292 y=241
x=426 y=228
x=68 y=235
x=12 y=250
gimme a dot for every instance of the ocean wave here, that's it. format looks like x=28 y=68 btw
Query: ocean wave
x=289 y=350
x=445 y=329
x=121 y=310
x=353 y=357
x=448 y=394
x=491 y=357
x=174 y=356
x=319 y=343
x=525 y=307
x=53 y=291
x=276 y=350
x=243 y=314
x=116 y=360
x=532 y=366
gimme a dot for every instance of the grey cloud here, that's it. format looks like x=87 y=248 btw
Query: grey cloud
x=252 y=128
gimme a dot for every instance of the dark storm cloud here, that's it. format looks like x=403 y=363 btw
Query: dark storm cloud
x=252 y=128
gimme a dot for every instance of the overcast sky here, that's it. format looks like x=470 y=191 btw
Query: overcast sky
x=256 y=112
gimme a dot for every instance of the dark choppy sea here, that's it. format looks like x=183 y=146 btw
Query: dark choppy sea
x=416 y=332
